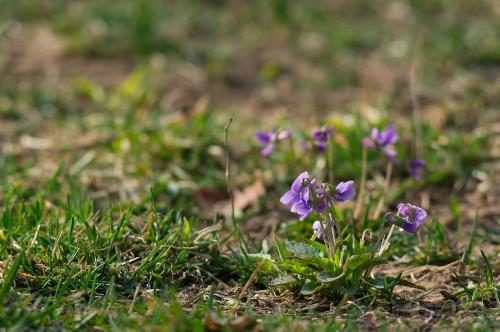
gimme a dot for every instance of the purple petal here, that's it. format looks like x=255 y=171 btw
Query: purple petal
x=267 y=150
x=368 y=143
x=414 y=168
x=410 y=227
x=417 y=163
x=305 y=146
x=419 y=214
x=320 y=147
x=345 y=191
x=316 y=227
x=390 y=153
x=320 y=135
x=297 y=184
x=284 y=135
x=290 y=197
x=302 y=209
x=262 y=137
x=388 y=135
x=375 y=134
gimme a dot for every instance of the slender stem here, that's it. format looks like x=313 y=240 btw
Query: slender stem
x=331 y=233
x=384 y=192
x=359 y=202
x=330 y=159
x=417 y=110
x=384 y=245
x=228 y=183
x=381 y=229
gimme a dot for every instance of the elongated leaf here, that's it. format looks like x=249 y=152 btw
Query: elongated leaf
x=318 y=245
x=303 y=250
x=360 y=270
x=328 y=276
x=310 y=287
x=298 y=268
x=403 y=282
x=5 y=286
x=353 y=261
x=347 y=288
x=283 y=281
x=268 y=261
x=377 y=283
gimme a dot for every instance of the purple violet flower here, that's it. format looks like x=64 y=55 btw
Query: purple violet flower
x=327 y=195
x=345 y=191
x=299 y=195
x=415 y=167
x=386 y=137
x=383 y=141
x=270 y=139
x=323 y=135
x=408 y=218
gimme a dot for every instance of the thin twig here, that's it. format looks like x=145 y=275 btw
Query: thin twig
x=247 y=285
x=56 y=246
x=136 y=293
x=228 y=183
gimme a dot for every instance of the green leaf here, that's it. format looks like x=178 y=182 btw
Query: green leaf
x=360 y=270
x=297 y=268
x=268 y=261
x=347 y=288
x=318 y=245
x=283 y=281
x=329 y=276
x=303 y=250
x=353 y=261
x=310 y=287
x=406 y=283
x=9 y=279
x=377 y=283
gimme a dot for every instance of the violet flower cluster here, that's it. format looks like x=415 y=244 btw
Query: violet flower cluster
x=305 y=196
x=320 y=140
x=270 y=139
x=415 y=167
x=383 y=141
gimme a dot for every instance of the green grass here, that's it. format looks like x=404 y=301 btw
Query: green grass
x=112 y=200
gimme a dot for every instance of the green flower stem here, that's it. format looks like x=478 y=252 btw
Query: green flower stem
x=359 y=202
x=385 y=191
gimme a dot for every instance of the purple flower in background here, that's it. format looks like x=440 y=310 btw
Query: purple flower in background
x=408 y=218
x=415 y=167
x=321 y=137
x=299 y=195
x=270 y=139
x=386 y=137
x=383 y=141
